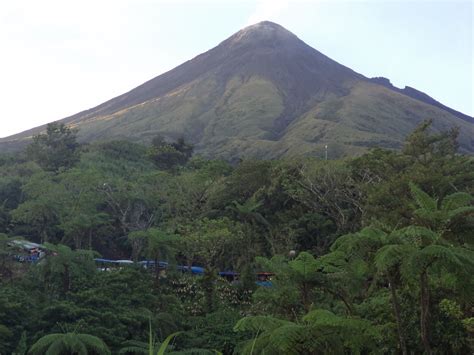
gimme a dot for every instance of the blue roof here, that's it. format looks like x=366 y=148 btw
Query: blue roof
x=264 y=283
x=228 y=273
x=194 y=269
x=152 y=262
x=113 y=261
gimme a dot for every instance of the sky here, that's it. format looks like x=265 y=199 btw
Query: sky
x=61 y=57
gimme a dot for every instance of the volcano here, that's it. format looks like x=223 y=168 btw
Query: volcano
x=264 y=93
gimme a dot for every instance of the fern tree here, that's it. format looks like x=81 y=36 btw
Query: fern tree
x=420 y=250
x=318 y=332
x=248 y=212
x=360 y=249
x=69 y=343
x=66 y=264
x=160 y=245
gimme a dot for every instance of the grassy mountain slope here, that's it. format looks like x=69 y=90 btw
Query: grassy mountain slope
x=263 y=93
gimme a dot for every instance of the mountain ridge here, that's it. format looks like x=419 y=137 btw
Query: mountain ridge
x=258 y=93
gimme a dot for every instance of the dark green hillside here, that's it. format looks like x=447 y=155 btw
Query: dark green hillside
x=264 y=93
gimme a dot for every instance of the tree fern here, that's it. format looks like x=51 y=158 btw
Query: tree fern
x=70 y=343
x=368 y=239
x=304 y=265
x=391 y=255
x=320 y=332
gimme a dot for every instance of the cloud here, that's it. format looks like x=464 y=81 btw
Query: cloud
x=268 y=10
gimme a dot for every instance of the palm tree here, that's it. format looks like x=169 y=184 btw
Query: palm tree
x=69 y=343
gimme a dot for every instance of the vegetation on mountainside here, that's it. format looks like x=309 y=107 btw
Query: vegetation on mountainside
x=382 y=264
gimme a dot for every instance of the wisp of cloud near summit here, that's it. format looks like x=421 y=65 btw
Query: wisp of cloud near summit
x=267 y=10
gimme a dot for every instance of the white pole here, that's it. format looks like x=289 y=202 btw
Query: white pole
x=326 y=151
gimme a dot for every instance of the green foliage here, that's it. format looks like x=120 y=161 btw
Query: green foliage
x=167 y=156
x=69 y=343
x=55 y=149
x=316 y=334
x=380 y=262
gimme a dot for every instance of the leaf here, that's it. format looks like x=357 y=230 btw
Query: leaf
x=423 y=200
x=165 y=344
x=258 y=324
x=456 y=200
x=305 y=265
x=392 y=255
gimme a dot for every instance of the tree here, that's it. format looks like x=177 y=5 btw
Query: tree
x=217 y=243
x=6 y=260
x=5 y=335
x=64 y=265
x=169 y=155
x=40 y=212
x=363 y=246
x=328 y=188
x=247 y=212
x=424 y=147
x=319 y=332
x=416 y=251
x=55 y=149
x=69 y=343
x=428 y=159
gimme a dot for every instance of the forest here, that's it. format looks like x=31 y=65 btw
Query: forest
x=367 y=255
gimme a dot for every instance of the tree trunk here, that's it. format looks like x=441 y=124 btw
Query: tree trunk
x=90 y=239
x=425 y=312
x=77 y=241
x=66 y=279
x=157 y=272
x=44 y=236
x=305 y=297
x=396 y=310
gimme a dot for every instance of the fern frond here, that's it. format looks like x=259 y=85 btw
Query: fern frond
x=392 y=255
x=305 y=265
x=133 y=350
x=166 y=342
x=194 y=351
x=416 y=235
x=456 y=200
x=460 y=211
x=367 y=239
x=289 y=338
x=332 y=262
x=422 y=199
x=259 y=323
x=44 y=343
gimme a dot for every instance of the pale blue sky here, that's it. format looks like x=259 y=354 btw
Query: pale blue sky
x=60 y=57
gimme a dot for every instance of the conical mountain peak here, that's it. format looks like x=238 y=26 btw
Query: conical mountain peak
x=263 y=33
x=263 y=93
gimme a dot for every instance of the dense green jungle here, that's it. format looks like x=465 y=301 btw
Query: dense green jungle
x=367 y=255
